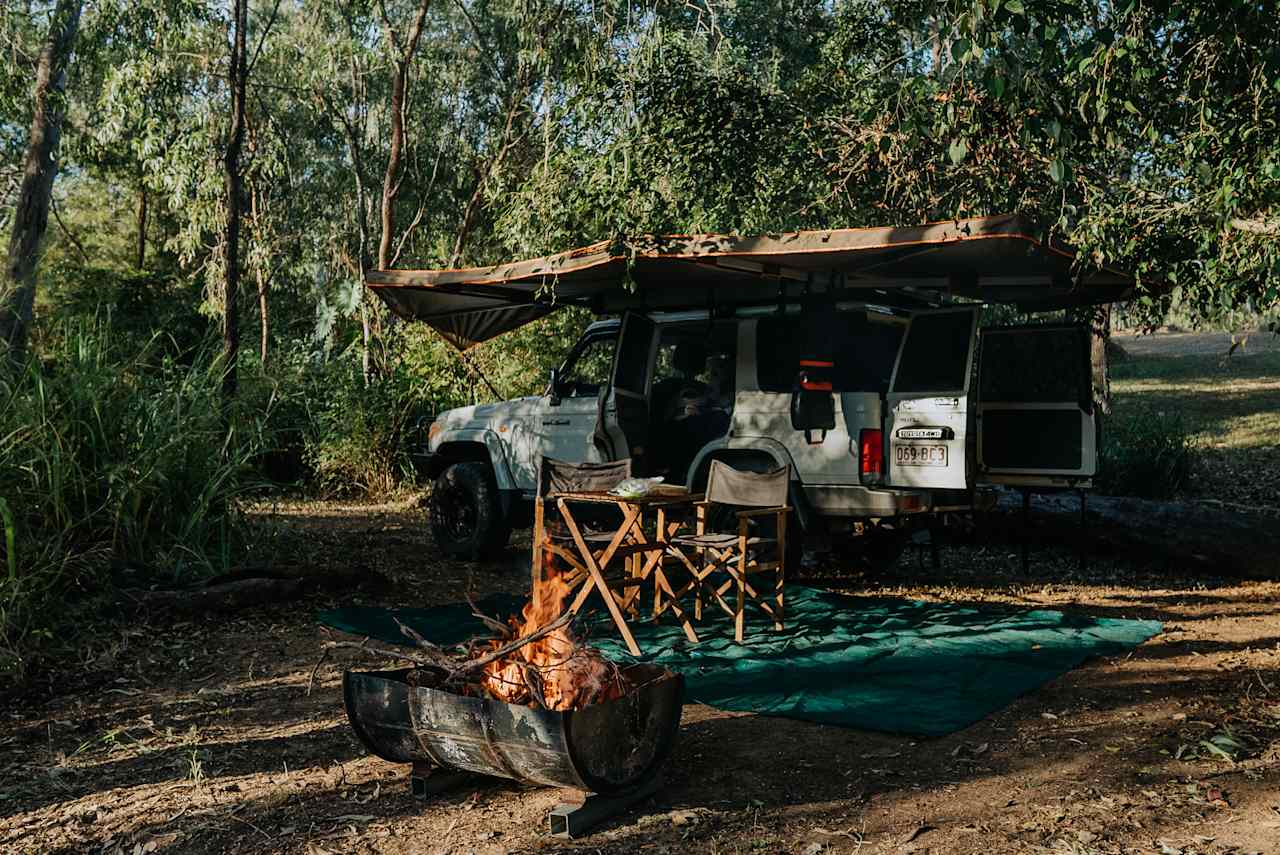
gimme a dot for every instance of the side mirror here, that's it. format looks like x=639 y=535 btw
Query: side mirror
x=553 y=387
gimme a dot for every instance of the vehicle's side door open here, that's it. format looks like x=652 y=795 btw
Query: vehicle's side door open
x=623 y=429
x=1036 y=420
x=569 y=411
x=928 y=401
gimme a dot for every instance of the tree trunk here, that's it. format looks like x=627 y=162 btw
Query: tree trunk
x=362 y=233
x=1100 y=336
x=392 y=179
x=234 y=182
x=264 y=281
x=142 y=226
x=31 y=216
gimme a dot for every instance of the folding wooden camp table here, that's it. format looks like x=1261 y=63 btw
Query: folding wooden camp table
x=593 y=555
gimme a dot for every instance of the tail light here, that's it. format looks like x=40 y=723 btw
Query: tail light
x=871 y=456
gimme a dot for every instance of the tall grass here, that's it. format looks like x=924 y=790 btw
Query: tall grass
x=110 y=461
x=1146 y=453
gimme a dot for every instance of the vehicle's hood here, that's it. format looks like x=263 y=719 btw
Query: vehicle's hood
x=499 y=417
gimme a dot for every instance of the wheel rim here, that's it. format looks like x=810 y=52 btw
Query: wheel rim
x=455 y=513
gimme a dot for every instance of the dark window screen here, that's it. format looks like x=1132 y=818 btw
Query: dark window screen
x=777 y=353
x=865 y=356
x=864 y=353
x=1035 y=366
x=935 y=357
x=1032 y=439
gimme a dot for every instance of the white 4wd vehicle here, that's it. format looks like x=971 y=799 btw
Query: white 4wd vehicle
x=926 y=408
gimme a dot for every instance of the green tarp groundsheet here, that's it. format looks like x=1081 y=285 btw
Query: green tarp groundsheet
x=899 y=666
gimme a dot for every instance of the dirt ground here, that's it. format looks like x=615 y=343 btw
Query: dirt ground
x=201 y=736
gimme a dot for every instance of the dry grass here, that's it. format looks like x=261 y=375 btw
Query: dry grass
x=1230 y=403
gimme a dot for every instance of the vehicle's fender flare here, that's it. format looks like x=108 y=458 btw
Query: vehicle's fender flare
x=762 y=447
x=492 y=444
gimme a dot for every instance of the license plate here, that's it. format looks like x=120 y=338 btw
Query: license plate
x=920 y=455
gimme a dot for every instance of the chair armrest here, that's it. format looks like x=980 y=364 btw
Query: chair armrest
x=760 y=512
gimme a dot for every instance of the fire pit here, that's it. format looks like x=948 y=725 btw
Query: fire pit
x=610 y=753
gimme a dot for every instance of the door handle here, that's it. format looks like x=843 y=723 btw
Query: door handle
x=555 y=422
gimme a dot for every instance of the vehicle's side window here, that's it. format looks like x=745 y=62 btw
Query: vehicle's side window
x=865 y=352
x=695 y=369
x=587 y=372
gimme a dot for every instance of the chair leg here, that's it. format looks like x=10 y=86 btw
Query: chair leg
x=700 y=529
x=779 y=587
x=633 y=593
x=539 y=532
x=739 y=617
x=781 y=578
x=658 y=578
x=739 y=614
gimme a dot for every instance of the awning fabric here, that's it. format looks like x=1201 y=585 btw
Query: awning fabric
x=995 y=259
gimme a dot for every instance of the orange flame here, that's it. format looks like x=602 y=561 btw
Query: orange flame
x=568 y=675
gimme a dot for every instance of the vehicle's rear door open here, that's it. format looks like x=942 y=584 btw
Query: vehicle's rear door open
x=624 y=427
x=1036 y=422
x=928 y=401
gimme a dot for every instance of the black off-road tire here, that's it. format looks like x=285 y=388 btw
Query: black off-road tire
x=465 y=512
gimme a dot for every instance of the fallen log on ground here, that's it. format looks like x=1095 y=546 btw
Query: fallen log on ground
x=223 y=597
x=329 y=577
x=1181 y=535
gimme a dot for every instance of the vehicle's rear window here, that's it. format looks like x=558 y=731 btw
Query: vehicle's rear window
x=935 y=357
x=864 y=352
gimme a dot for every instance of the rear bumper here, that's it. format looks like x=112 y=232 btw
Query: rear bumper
x=852 y=500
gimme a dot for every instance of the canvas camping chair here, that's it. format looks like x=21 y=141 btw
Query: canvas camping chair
x=557 y=478
x=738 y=554
x=589 y=554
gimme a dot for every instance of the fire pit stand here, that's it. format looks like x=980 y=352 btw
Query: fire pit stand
x=576 y=818
x=610 y=755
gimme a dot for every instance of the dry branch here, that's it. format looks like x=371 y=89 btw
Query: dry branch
x=428 y=655
x=477 y=664
x=498 y=627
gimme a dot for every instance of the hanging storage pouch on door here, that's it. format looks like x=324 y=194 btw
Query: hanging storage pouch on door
x=813 y=403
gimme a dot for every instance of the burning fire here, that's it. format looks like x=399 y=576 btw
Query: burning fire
x=566 y=674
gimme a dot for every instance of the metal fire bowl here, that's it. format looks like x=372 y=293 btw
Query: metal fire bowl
x=604 y=748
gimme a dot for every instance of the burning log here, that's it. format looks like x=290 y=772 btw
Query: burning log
x=555 y=671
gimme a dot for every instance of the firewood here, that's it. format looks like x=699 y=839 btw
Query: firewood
x=429 y=655
x=504 y=650
x=502 y=630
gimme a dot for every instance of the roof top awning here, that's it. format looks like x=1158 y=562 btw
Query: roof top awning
x=993 y=259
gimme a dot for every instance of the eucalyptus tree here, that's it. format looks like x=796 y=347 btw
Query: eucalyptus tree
x=40 y=167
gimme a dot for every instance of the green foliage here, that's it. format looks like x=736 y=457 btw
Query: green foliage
x=131 y=307
x=358 y=436
x=110 y=459
x=1145 y=453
